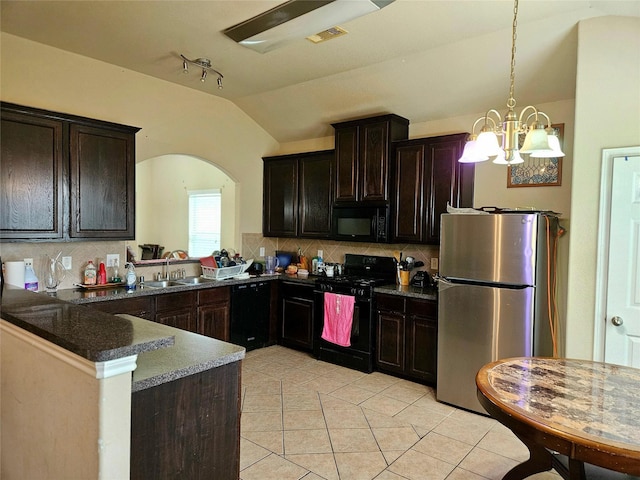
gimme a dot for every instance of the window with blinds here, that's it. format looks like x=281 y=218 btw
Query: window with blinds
x=204 y=222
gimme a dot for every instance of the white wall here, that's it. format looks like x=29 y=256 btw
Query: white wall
x=607 y=116
x=162 y=202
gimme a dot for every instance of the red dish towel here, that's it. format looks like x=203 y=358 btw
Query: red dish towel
x=338 y=318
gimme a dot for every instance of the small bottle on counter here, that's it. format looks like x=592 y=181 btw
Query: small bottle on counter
x=102 y=274
x=90 y=274
x=115 y=275
x=30 y=279
x=131 y=276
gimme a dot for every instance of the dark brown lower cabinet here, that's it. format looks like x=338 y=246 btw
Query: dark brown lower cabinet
x=391 y=326
x=213 y=313
x=188 y=428
x=421 y=339
x=143 y=307
x=205 y=312
x=177 y=310
x=407 y=337
x=296 y=315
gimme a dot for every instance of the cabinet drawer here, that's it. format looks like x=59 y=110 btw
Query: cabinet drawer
x=289 y=290
x=423 y=308
x=170 y=301
x=390 y=303
x=213 y=295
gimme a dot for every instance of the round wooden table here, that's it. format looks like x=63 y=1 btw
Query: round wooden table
x=587 y=411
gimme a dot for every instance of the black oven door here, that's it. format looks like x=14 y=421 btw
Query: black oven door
x=359 y=355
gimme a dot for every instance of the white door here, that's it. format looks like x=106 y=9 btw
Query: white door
x=622 y=331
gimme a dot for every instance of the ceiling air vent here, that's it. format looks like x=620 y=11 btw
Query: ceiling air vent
x=327 y=34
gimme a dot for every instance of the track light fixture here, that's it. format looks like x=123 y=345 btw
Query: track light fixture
x=205 y=65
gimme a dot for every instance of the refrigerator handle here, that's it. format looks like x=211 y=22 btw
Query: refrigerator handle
x=442 y=282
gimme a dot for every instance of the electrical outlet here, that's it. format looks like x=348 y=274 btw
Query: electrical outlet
x=28 y=262
x=113 y=260
x=434 y=263
x=66 y=263
x=262 y=251
x=320 y=254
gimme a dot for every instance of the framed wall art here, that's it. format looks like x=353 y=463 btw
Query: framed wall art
x=537 y=172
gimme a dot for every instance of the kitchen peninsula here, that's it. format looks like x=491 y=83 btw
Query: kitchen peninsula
x=68 y=394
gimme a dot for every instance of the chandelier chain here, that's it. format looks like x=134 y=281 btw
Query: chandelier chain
x=511 y=103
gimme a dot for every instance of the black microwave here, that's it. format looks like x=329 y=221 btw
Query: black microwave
x=361 y=224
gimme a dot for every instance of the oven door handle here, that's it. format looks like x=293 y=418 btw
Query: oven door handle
x=358 y=298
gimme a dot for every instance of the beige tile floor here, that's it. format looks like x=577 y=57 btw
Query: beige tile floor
x=311 y=420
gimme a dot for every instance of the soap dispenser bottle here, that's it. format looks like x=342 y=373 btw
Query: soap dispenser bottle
x=131 y=276
x=30 y=279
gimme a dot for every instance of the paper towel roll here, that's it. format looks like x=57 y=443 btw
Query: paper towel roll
x=14 y=273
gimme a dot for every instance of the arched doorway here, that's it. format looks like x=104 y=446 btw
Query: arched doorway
x=162 y=203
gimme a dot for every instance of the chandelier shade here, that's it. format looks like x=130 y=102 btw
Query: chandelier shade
x=469 y=154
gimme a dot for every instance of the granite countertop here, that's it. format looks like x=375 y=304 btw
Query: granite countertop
x=427 y=293
x=190 y=354
x=592 y=401
x=91 y=334
x=81 y=296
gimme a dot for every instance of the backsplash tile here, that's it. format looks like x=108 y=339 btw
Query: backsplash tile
x=81 y=253
x=334 y=251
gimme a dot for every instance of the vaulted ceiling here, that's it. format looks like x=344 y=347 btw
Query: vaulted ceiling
x=422 y=59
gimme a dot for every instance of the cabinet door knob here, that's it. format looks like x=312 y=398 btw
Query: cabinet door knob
x=617 y=321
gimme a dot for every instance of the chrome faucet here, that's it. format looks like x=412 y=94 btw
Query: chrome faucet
x=175 y=275
x=166 y=273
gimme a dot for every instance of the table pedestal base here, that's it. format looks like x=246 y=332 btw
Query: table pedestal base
x=540 y=460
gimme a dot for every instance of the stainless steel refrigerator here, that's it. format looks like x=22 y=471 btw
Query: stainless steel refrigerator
x=493 y=299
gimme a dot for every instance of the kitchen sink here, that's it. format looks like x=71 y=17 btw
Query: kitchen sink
x=160 y=283
x=178 y=282
x=193 y=280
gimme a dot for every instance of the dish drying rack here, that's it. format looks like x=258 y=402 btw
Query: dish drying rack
x=221 y=273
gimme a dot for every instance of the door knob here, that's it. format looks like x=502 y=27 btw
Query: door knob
x=617 y=321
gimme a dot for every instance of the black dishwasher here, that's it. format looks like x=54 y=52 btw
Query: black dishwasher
x=250 y=314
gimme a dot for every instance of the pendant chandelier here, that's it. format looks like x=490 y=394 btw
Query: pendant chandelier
x=540 y=140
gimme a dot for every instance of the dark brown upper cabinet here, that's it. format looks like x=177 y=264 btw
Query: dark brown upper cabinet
x=64 y=177
x=363 y=150
x=102 y=182
x=298 y=194
x=32 y=176
x=427 y=176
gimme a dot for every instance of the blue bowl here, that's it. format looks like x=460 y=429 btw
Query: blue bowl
x=284 y=259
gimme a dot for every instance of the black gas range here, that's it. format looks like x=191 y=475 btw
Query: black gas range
x=362 y=273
